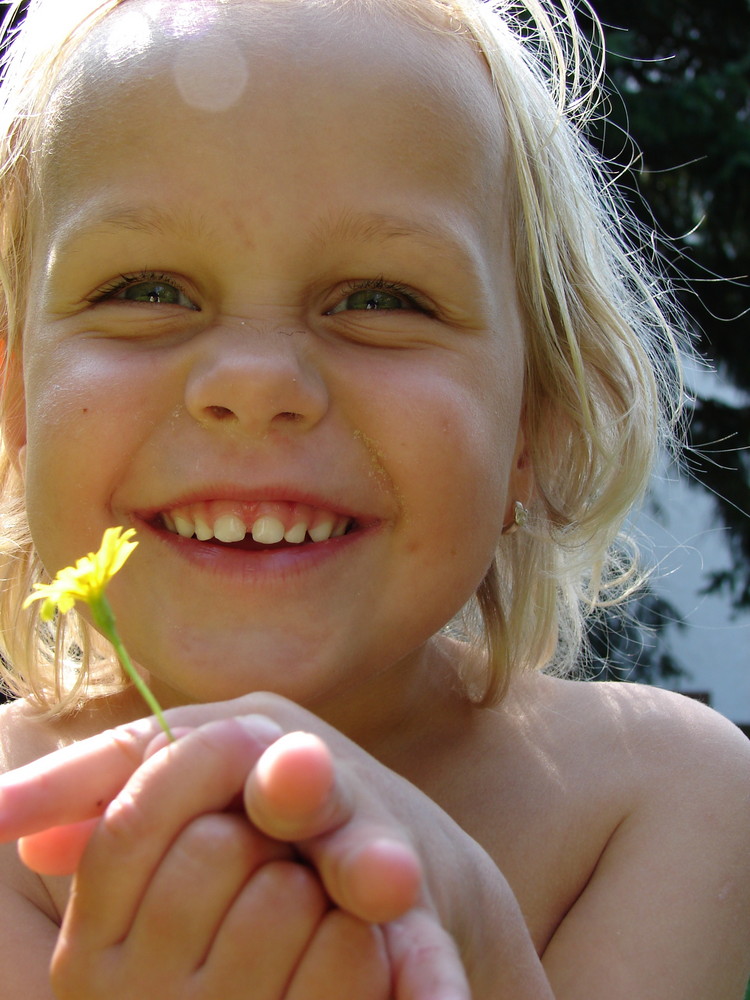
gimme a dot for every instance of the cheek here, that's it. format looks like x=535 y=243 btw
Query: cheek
x=65 y=416
x=447 y=441
x=77 y=429
x=85 y=400
x=468 y=425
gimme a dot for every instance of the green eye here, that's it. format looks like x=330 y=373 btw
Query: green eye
x=155 y=291
x=372 y=298
x=145 y=286
x=376 y=296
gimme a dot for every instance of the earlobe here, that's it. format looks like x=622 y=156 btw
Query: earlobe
x=520 y=486
x=521 y=483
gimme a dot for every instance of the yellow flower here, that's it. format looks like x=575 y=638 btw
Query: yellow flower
x=87 y=580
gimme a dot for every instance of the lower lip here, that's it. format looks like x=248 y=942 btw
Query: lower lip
x=257 y=565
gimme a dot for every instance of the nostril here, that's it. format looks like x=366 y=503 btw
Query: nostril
x=221 y=413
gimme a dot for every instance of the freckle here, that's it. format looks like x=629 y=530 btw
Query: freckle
x=85 y=409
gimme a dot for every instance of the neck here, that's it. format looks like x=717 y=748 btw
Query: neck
x=397 y=709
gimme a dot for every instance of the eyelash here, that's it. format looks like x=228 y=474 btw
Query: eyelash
x=140 y=277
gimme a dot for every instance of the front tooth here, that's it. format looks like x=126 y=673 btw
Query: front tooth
x=296 y=534
x=203 y=531
x=183 y=526
x=229 y=528
x=321 y=532
x=268 y=530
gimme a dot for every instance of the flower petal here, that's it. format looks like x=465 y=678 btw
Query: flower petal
x=87 y=579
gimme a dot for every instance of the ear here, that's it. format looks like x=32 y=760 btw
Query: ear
x=521 y=479
x=13 y=405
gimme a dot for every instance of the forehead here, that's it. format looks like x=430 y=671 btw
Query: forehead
x=207 y=56
x=139 y=30
x=376 y=110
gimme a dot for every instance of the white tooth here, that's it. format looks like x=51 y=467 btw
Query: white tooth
x=268 y=530
x=203 y=531
x=183 y=526
x=229 y=528
x=340 y=529
x=321 y=532
x=296 y=534
x=168 y=522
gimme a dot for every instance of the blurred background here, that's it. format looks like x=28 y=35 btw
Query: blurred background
x=679 y=82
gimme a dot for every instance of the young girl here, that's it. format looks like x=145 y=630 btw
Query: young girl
x=328 y=300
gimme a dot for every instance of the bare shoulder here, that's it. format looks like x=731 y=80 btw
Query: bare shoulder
x=641 y=711
x=24 y=735
x=657 y=738
x=27 y=734
x=629 y=743
x=672 y=884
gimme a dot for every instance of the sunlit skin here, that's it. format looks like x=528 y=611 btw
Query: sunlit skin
x=262 y=377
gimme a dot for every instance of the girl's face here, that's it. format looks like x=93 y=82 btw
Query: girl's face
x=272 y=292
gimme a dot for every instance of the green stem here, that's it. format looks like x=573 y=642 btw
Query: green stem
x=105 y=619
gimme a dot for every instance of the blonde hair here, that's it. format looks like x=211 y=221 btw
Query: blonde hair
x=602 y=370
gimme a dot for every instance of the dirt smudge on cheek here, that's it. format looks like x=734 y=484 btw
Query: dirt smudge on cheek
x=378 y=471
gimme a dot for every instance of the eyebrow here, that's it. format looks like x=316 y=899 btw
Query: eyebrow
x=439 y=239
x=443 y=242
x=150 y=219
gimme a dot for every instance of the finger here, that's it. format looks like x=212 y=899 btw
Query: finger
x=194 y=888
x=201 y=773
x=265 y=934
x=162 y=740
x=58 y=850
x=347 y=958
x=367 y=871
x=78 y=782
x=66 y=786
x=291 y=793
x=424 y=959
x=363 y=856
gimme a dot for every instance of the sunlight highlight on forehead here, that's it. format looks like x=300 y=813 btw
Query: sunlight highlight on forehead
x=211 y=73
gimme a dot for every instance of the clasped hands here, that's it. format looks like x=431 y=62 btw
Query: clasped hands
x=249 y=860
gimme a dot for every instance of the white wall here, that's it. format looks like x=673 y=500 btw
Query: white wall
x=687 y=542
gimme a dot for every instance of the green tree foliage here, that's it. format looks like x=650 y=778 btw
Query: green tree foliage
x=682 y=68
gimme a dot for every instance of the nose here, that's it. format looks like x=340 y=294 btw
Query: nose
x=254 y=380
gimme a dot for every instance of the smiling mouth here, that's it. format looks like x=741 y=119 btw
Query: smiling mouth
x=255 y=526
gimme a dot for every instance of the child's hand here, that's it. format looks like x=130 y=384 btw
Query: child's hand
x=360 y=825
x=178 y=895
x=157 y=830
x=360 y=828
x=296 y=793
